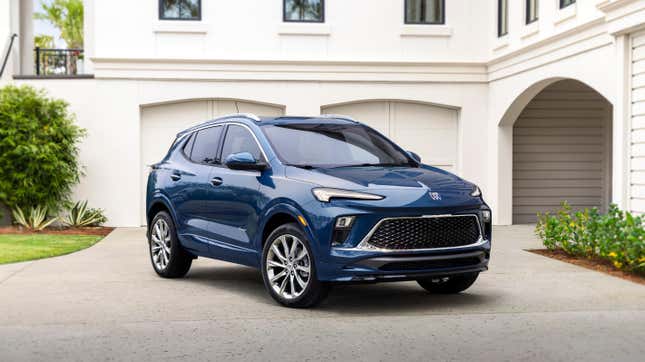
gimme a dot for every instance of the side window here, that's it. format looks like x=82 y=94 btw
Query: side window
x=206 y=144
x=188 y=147
x=239 y=139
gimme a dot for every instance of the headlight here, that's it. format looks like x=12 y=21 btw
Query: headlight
x=476 y=192
x=325 y=194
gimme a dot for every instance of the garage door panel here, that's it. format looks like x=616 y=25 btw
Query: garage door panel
x=563 y=166
x=560 y=151
x=557 y=174
x=558 y=140
x=557 y=157
x=523 y=148
x=560 y=193
x=559 y=131
x=428 y=130
x=547 y=185
x=374 y=114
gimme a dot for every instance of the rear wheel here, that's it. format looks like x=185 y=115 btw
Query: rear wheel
x=168 y=257
x=448 y=285
x=288 y=269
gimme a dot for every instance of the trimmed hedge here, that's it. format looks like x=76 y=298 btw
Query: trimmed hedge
x=617 y=236
x=38 y=149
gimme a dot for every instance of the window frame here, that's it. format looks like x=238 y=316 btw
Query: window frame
x=442 y=20
x=220 y=152
x=285 y=20
x=527 y=6
x=194 y=134
x=563 y=5
x=499 y=18
x=162 y=17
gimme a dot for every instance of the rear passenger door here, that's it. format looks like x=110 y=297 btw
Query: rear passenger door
x=193 y=187
x=235 y=201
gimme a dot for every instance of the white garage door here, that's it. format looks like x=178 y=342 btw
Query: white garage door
x=561 y=152
x=430 y=131
x=161 y=123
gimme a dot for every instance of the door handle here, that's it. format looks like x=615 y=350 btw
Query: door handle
x=216 y=181
x=175 y=176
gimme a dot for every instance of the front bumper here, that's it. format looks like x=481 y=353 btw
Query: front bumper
x=353 y=265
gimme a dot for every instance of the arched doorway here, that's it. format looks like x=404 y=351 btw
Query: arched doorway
x=562 y=151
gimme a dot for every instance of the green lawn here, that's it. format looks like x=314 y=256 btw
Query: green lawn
x=18 y=247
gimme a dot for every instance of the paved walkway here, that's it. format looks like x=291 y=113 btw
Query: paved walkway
x=106 y=303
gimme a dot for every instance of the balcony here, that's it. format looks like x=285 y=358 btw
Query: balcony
x=59 y=62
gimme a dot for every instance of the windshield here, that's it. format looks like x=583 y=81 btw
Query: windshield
x=333 y=145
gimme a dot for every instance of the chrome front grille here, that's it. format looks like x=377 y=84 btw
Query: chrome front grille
x=430 y=232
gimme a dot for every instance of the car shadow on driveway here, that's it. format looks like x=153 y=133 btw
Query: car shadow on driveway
x=394 y=298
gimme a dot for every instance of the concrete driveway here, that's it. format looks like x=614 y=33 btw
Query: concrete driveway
x=106 y=303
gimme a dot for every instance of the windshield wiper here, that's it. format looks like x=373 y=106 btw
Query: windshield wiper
x=374 y=165
x=306 y=167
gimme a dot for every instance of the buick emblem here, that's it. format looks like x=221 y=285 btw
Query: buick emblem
x=435 y=196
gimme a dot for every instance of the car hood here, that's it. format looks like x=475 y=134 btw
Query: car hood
x=407 y=185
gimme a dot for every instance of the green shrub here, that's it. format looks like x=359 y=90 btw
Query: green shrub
x=617 y=236
x=80 y=215
x=36 y=219
x=38 y=149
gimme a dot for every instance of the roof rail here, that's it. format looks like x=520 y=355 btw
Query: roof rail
x=246 y=115
x=339 y=116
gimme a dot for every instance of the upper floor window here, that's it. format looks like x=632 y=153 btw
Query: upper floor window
x=425 y=12
x=565 y=3
x=307 y=11
x=180 y=9
x=502 y=17
x=531 y=11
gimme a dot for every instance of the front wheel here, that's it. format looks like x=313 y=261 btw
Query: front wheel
x=288 y=269
x=448 y=285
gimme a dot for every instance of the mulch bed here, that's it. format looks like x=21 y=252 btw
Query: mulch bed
x=100 y=231
x=596 y=264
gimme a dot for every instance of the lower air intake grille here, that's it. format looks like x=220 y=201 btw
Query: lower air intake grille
x=426 y=232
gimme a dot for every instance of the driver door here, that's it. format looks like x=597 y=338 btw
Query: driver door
x=234 y=201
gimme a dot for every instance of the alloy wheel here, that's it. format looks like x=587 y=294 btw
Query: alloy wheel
x=160 y=245
x=288 y=266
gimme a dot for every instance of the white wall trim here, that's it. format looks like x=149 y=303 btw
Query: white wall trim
x=180 y=27
x=426 y=30
x=292 y=70
x=304 y=29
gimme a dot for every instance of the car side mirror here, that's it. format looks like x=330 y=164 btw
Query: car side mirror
x=415 y=156
x=244 y=161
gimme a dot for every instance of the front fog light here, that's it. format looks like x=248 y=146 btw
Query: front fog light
x=344 y=222
x=486 y=215
x=342 y=227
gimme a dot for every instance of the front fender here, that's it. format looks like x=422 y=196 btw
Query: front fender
x=284 y=207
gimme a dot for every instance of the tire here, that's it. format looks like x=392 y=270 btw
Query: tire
x=448 y=285
x=297 y=266
x=169 y=259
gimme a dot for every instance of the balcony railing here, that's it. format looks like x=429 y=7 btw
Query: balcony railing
x=59 y=62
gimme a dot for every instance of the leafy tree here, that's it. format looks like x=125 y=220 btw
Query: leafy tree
x=38 y=149
x=67 y=16
x=44 y=41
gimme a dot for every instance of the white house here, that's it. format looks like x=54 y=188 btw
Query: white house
x=537 y=101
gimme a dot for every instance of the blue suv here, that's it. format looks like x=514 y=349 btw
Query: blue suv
x=313 y=201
